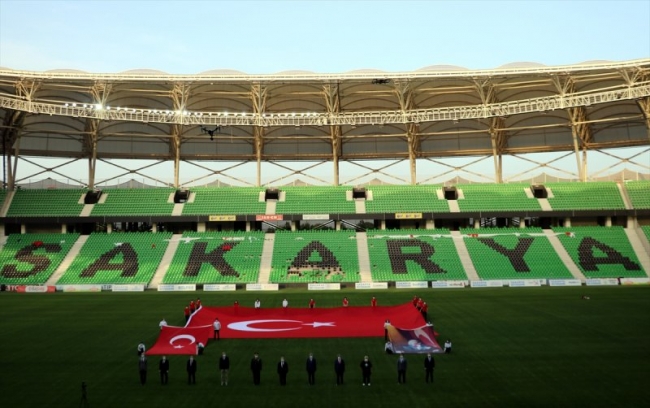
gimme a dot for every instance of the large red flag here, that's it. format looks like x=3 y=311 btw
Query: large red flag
x=248 y=322
x=180 y=340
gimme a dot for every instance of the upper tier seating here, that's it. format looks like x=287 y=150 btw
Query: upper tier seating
x=30 y=259
x=46 y=203
x=513 y=253
x=496 y=197
x=315 y=256
x=601 y=252
x=639 y=193
x=117 y=258
x=413 y=255
x=394 y=199
x=136 y=201
x=225 y=200
x=315 y=200
x=217 y=257
x=593 y=195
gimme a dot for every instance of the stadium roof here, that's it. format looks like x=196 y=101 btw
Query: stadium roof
x=225 y=115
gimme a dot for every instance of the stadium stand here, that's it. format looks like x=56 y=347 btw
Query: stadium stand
x=392 y=199
x=225 y=200
x=136 y=201
x=601 y=252
x=594 y=195
x=413 y=255
x=513 y=253
x=315 y=200
x=639 y=193
x=30 y=259
x=46 y=203
x=117 y=258
x=496 y=197
x=217 y=257
x=315 y=256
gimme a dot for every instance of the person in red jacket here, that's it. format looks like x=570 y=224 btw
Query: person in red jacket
x=415 y=301
x=420 y=303
x=345 y=302
x=198 y=303
x=187 y=313
x=192 y=306
x=373 y=302
x=312 y=303
x=424 y=310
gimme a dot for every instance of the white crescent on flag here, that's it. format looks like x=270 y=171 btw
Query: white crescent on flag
x=246 y=325
x=189 y=337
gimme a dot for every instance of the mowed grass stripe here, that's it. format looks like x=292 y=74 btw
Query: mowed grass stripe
x=512 y=347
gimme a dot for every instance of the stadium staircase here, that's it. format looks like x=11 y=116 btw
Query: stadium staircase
x=624 y=196
x=359 y=206
x=564 y=255
x=267 y=258
x=364 y=258
x=67 y=261
x=463 y=255
x=7 y=203
x=634 y=235
x=166 y=260
x=270 y=207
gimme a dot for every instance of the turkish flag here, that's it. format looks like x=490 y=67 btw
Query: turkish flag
x=359 y=321
x=180 y=340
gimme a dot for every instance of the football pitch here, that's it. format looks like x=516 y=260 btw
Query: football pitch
x=512 y=347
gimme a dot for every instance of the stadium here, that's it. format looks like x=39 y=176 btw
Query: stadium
x=447 y=183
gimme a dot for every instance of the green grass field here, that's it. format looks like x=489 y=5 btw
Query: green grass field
x=526 y=347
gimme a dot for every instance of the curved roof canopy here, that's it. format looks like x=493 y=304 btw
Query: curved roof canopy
x=437 y=111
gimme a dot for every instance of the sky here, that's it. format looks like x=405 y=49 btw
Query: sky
x=265 y=37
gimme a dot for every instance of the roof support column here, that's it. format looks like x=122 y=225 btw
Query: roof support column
x=644 y=104
x=333 y=104
x=413 y=146
x=179 y=95
x=404 y=95
x=258 y=96
x=487 y=93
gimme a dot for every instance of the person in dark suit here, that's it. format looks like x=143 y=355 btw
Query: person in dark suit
x=191 y=370
x=311 y=369
x=142 y=367
x=401 y=369
x=339 y=369
x=429 y=365
x=366 y=370
x=256 y=368
x=163 y=367
x=224 y=368
x=283 y=370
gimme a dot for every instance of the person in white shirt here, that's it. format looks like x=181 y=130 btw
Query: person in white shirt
x=141 y=348
x=163 y=323
x=258 y=304
x=388 y=348
x=448 y=346
x=285 y=303
x=217 y=327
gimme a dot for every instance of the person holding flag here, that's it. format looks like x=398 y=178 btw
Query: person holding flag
x=373 y=302
x=216 y=326
x=312 y=303
x=345 y=302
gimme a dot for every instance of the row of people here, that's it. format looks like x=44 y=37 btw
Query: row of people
x=283 y=369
